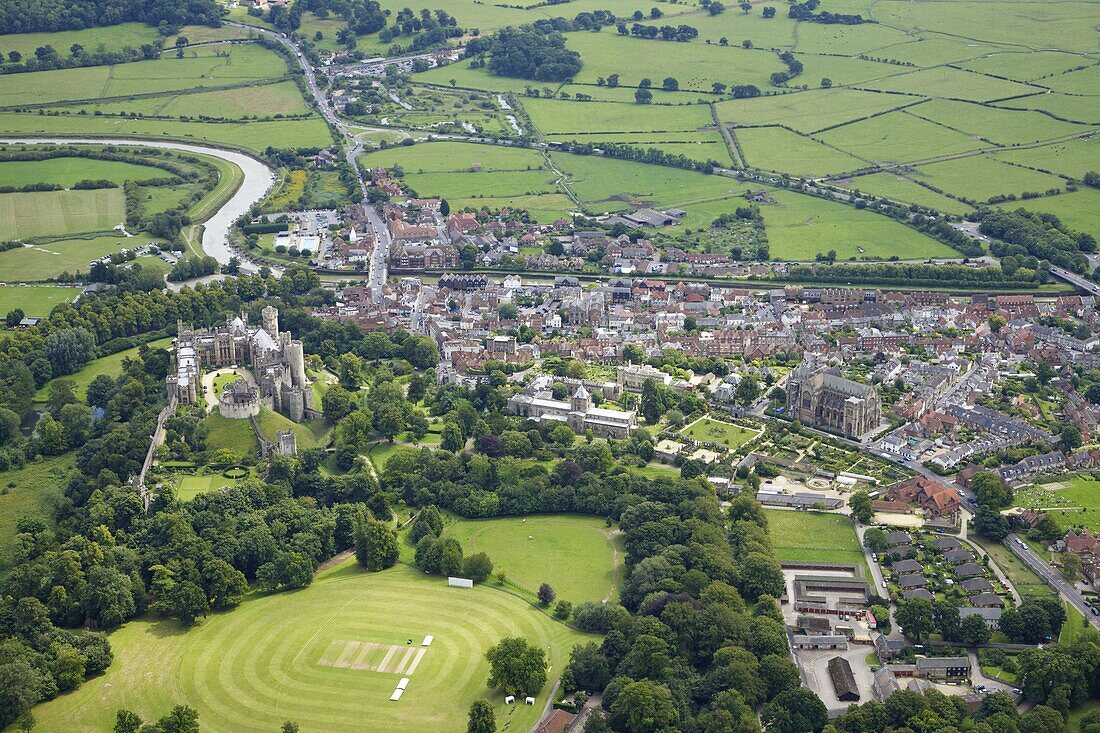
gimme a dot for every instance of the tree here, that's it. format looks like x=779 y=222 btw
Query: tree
x=444 y=207
x=860 y=503
x=69 y=350
x=127 y=722
x=915 y=618
x=1071 y=565
x=546 y=594
x=768 y=12
x=389 y=420
x=644 y=707
x=477 y=567
x=760 y=575
x=874 y=539
x=375 y=544
x=973 y=631
x=747 y=391
x=100 y=391
x=421 y=352
x=337 y=403
x=990 y=490
x=481 y=719
x=182 y=719
x=1042 y=719
x=716 y=8
x=451 y=438
x=795 y=711
x=1070 y=439
x=643 y=96
x=990 y=523
x=826 y=82
x=745 y=7
x=670 y=84
x=517 y=667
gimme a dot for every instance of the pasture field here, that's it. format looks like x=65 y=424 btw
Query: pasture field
x=842 y=70
x=783 y=151
x=495 y=184
x=799 y=227
x=454 y=156
x=543 y=208
x=326 y=655
x=809 y=111
x=1025 y=65
x=202 y=66
x=30 y=490
x=67 y=171
x=849 y=40
x=947 y=82
x=1072 y=107
x=701 y=146
x=586 y=118
x=897 y=187
x=35 y=300
x=328 y=28
x=707 y=430
x=813 y=537
x=1079 y=210
x=1082 y=81
x=468 y=78
x=979 y=177
x=259 y=100
x=577 y=555
x=898 y=137
x=114 y=38
x=626 y=94
x=1003 y=127
x=109 y=365
x=1071 y=158
x=44 y=260
x=255 y=136
x=932 y=50
x=24 y=215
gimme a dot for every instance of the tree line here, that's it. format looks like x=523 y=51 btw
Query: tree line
x=48 y=16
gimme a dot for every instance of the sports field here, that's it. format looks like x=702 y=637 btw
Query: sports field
x=578 y=556
x=188 y=487
x=327 y=657
x=707 y=430
x=34 y=300
x=24 y=215
x=813 y=537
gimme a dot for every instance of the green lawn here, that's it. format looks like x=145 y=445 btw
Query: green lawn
x=188 y=487
x=1075 y=715
x=1074 y=625
x=289 y=657
x=65 y=172
x=236 y=435
x=814 y=537
x=34 y=300
x=708 y=430
x=24 y=215
x=1026 y=583
x=32 y=489
x=577 y=555
x=109 y=365
x=1076 y=505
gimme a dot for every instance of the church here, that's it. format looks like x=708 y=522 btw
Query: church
x=275 y=359
x=578 y=413
x=821 y=397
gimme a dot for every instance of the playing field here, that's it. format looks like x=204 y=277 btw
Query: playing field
x=706 y=430
x=24 y=215
x=1073 y=501
x=34 y=300
x=813 y=537
x=578 y=556
x=188 y=487
x=327 y=657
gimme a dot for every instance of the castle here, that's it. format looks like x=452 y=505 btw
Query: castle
x=823 y=398
x=275 y=359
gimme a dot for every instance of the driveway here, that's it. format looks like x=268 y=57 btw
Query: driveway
x=208 y=383
x=814 y=664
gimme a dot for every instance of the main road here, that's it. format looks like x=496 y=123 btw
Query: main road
x=1051 y=577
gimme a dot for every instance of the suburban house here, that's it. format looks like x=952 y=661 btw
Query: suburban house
x=934 y=498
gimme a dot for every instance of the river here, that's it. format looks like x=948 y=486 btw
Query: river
x=258 y=178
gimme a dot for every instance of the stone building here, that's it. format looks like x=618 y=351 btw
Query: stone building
x=275 y=359
x=578 y=413
x=823 y=398
x=239 y=401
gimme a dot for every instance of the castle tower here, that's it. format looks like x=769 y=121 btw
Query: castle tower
x=296 y=363
x=271 y=321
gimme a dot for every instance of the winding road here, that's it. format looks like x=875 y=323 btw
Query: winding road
x=258 y=178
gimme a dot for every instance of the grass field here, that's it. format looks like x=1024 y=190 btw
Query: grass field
x=1079 y=210
x=32 y=489
x=236 y=435
x=813 y=537
x=279 y=657
x=555 y=116
x=898 y=137
x=46 y=260
x=800 y=226
x=979 y=177
x=808 y=111
x=707 y=430
x=776 y=149
x=453 y=156
x=1071 y=158
x=899 y=188
x=24 y=215
x=258 y=100
x=188 y=487
x=67 y=171
x=34 y=300
x=1075 y=504
x=309 y=434
x=1026 y=583
x=1005 y=127
x=578 y=556
x=109 y=365
x=946 y=82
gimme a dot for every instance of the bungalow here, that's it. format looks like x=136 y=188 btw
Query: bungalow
x=907 y=567
x=918 y=593
x=908 y=582
x=986 y=600
x=976 y=585
x=958 y=557
x=969 y=570
x=946 y=544
x=897 y=539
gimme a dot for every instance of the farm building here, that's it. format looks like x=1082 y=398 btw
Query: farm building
x=844 y=682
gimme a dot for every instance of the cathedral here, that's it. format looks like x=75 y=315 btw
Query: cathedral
x=821 y=397
x=275 y=359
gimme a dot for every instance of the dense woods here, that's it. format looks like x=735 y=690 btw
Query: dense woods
x=26 y=16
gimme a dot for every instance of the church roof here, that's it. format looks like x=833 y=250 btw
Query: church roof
x=581 y=393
